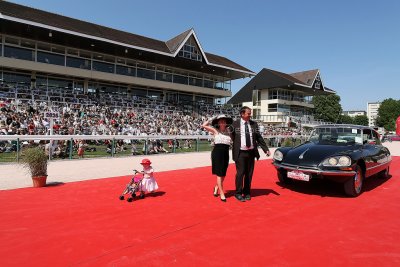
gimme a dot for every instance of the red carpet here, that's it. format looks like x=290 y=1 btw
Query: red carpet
x=85 y=224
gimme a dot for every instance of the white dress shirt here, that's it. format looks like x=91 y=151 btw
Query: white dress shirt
x=243 y=136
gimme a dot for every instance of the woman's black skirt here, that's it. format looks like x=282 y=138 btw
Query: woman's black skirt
x=220 y=159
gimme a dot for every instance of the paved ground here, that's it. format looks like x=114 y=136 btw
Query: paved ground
x=13 y=176
x=84 y=224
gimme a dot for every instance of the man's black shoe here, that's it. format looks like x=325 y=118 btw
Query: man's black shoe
x=247 y=197
x=239 y=197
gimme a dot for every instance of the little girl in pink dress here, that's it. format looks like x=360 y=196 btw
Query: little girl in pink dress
x=149 y=184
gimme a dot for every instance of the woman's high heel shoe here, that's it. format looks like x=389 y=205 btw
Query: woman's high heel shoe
x=215 y=192
x=223 y=199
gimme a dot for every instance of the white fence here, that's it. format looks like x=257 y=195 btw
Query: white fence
x=17 y=143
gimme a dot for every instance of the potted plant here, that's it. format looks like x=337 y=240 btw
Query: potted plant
x=35 y=161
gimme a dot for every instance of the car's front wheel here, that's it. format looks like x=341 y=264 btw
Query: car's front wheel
x=282 y=177
x=353 y=186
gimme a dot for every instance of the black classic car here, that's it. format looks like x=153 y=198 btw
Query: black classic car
x=342 y=153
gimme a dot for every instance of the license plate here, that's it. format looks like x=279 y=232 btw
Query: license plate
x=298 y=175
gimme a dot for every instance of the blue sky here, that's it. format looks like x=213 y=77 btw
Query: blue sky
x=354 y=43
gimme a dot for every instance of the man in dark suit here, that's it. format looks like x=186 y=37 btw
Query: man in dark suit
x=246 y=139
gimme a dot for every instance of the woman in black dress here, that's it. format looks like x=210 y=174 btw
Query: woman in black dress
x=220 y=153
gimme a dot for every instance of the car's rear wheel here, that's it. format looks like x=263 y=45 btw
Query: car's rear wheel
x=353 y=187
x=282 y=177
x=385 y=173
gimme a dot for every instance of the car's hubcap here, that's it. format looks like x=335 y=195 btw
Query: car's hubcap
x=358 y=181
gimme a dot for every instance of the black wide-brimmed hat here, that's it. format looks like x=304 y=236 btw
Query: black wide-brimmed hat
x=222 y=116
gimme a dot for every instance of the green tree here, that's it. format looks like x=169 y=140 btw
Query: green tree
x=346 y=119
x=327 y=108
x=361 y=120
x=388 y=112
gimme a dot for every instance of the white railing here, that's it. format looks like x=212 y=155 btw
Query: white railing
x=17 y=143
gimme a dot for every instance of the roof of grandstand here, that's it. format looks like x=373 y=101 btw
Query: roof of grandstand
x=267 y=78
x=17 y=14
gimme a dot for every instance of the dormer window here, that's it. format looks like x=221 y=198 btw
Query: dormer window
x=317 y=82
x=190 y=50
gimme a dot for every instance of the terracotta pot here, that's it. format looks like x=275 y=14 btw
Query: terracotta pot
x=39 y=181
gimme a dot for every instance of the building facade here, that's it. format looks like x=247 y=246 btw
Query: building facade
x=372 y=112
x=49 y=57
x=277 y=97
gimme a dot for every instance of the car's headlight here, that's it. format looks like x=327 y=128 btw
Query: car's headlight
x=278 y=155
x=344 y=161
x=332 y=161
x=340 y=161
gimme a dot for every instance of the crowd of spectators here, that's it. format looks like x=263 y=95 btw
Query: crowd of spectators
x=76 y=119
x=95 y=120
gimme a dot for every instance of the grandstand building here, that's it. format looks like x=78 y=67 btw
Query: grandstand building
x=278 y=98
x=58 y=59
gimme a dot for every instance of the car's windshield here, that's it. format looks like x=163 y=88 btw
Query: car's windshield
x=336 y=136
